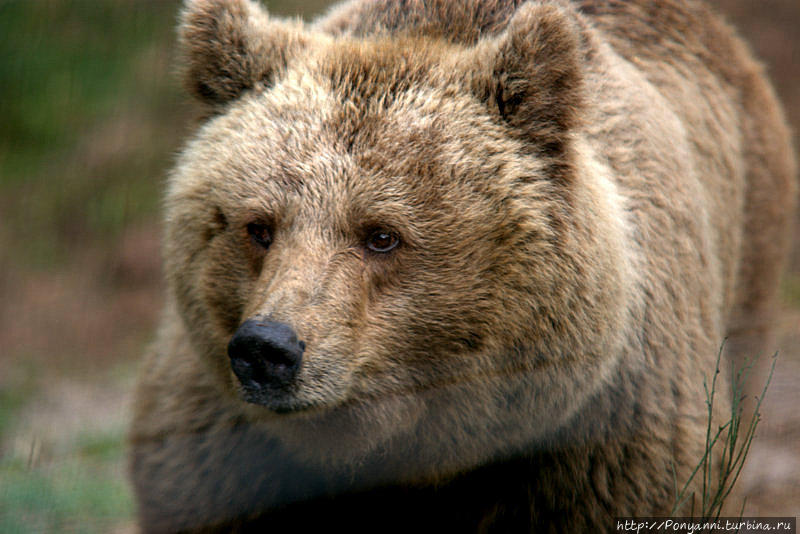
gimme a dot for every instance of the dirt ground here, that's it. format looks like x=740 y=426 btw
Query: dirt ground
x=771 y=478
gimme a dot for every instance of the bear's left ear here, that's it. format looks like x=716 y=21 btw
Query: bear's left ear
x=228 y=46
x=530 y=75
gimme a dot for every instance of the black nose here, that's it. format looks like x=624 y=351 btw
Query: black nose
x=265 y=355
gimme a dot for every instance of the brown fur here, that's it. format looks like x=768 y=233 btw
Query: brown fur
x=590 y=197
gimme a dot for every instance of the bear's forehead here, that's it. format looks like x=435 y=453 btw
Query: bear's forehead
x=311 y=120
x=270 y=153
x=296 y=133
x=358 y=122
x=368 y=72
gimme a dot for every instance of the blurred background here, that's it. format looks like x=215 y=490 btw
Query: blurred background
x=91 y=117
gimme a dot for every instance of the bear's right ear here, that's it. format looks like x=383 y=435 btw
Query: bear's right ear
x=530 y=76
x=228 y=46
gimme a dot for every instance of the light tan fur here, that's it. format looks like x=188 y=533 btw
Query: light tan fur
x=590 y=196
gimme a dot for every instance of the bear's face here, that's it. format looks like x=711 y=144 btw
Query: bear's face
x=366 y=206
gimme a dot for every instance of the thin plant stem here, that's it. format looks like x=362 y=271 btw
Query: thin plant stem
x=735 y=445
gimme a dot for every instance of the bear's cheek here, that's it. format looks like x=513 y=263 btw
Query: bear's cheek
x=211 y=285
x=225 y=282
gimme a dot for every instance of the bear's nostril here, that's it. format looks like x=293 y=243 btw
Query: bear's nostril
x=242 y=368
x=267 y=354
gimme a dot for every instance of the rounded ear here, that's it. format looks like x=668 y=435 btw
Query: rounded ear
x=228 y=46
x=530 y=75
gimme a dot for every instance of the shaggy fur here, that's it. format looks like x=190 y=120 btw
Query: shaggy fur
x=589 y=197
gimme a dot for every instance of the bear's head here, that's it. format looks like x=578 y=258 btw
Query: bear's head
x=394 y=242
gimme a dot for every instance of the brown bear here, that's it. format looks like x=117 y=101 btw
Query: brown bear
x=455 y=266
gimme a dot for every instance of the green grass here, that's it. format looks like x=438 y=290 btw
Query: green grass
x=61 y=477
x=85 y=492
x=11 y=400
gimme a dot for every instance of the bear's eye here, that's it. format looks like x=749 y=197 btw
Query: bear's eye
x=382 y=240
x=260 y=234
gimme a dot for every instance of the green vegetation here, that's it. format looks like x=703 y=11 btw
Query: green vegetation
x=89 y=111
x=731 y=439
x=62 y=465
x=86 y=492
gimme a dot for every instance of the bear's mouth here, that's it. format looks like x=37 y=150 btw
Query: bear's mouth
x=275 y=396
x=280 y=397
x=268 y=390
x=277 y=400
